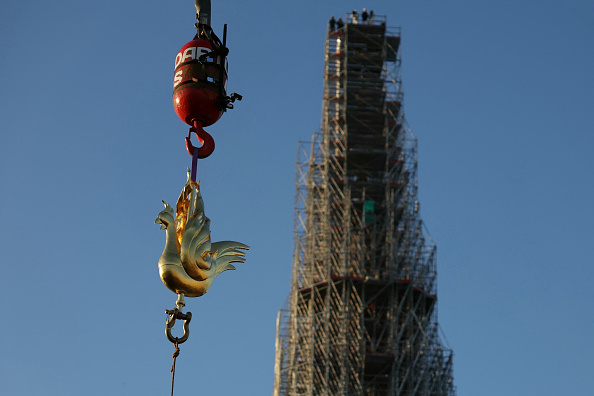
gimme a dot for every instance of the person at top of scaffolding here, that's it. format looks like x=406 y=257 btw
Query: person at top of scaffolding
x=371 y=15
x=339 y=24
x=364 y=15
x=332 y=24
x=355 y=16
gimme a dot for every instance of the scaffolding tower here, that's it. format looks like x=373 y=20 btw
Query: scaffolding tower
x=361 y=317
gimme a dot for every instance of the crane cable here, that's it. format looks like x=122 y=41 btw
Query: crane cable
x=175 y=355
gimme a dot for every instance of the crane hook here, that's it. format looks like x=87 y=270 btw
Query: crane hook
x=208 y=144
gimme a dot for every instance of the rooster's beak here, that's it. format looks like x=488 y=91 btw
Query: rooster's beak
x=159 y=221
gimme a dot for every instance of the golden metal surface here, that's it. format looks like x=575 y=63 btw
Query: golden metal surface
x=190 y=261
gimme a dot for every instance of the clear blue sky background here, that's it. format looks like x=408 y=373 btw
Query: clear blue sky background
x=499 y=93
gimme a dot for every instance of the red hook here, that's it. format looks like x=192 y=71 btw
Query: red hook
x=208 y=144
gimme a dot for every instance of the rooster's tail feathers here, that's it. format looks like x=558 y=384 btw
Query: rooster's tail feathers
x=226 y=248
x=224 y=267
x=226 y=253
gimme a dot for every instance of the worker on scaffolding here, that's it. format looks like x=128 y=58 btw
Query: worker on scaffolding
x=355 y=16
x=339 y=24
x=364 y=16
x=332 y=24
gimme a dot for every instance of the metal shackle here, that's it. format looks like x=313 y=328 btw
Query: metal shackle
x=175 y=314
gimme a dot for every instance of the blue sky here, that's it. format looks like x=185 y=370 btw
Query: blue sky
x=499 y=94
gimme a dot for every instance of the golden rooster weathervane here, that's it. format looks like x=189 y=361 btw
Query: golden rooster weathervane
x=190 y=261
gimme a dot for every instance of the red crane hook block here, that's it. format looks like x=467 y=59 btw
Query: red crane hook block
x=208 y=144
